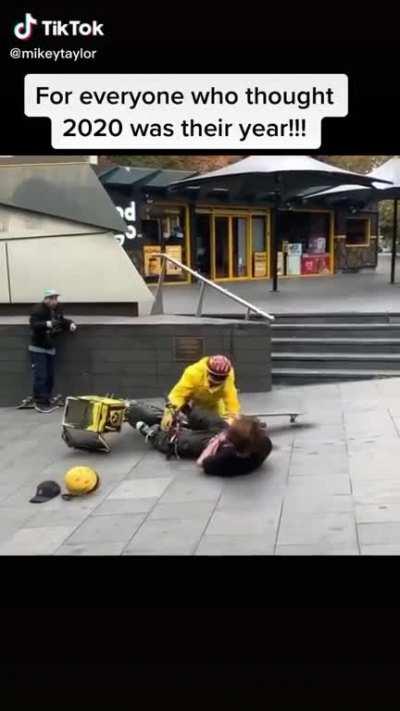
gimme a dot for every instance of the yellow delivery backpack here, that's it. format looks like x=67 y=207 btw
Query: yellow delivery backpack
x=88 y=417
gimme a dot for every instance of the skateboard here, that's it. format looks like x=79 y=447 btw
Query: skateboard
x=292 y=415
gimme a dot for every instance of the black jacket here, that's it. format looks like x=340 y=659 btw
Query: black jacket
x=226 y=462
x=42 y=336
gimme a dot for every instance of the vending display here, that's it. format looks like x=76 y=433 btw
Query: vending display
x=260 y=264
x=280 y=264
x=293 y=265
x=315 y=264
x=317 y=245
x=294 y=248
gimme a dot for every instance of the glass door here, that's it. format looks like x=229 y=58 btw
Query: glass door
x=203 y=259
x=222 y=247
x=239 y=229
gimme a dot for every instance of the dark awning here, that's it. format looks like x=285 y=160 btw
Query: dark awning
x=134 y=176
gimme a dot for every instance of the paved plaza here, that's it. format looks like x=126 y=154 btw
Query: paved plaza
x=331 y=485
x=365 y=292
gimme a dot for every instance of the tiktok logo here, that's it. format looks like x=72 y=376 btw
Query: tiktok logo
x=23 y=30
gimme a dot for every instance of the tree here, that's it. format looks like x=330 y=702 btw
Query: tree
x=200 y=163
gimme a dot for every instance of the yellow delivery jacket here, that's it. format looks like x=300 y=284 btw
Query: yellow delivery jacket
x=194 y=387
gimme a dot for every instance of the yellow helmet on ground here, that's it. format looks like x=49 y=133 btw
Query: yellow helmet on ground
x=81 y=480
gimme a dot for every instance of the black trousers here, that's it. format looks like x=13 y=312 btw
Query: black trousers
x=192 y=439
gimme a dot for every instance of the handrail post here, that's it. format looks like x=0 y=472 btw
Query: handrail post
x=158 y=306
x=201 y=298
x=247 y=317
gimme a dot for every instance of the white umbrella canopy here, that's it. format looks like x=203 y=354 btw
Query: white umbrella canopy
x=283 y=177
x=377 y=191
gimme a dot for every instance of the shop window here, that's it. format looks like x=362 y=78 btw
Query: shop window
x=259 y=246
x=202 y=241
x=303 y=243
x=239 y=247
x=164 y=230
x=357 y=231
x=222 y=247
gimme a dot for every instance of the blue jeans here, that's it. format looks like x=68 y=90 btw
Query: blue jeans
x=43 y=376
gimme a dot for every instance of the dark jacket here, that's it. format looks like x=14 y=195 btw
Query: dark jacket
x=43 y=336
x=227 y=462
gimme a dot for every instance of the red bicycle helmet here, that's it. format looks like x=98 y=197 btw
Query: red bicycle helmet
x=219 y=366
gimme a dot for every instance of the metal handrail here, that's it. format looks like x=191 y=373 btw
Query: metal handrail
x=158 y=303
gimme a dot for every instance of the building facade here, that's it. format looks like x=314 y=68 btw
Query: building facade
x=226 y=241
x=57 y=230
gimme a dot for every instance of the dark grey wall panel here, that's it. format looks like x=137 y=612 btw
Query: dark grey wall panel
x=134 y=361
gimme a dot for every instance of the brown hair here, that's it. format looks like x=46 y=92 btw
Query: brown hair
x=247 y=434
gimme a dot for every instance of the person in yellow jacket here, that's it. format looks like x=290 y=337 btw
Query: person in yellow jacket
x=208 y=384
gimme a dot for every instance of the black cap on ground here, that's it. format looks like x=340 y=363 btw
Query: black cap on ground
x=46 y=490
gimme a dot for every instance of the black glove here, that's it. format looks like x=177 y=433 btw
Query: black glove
x=56 y=325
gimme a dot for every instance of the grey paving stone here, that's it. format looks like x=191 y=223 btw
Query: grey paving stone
x=313 y=550
x=379 y=533
x=378 y=513
x=381 y=549
x=124 y=506
x=241 y=523
x=335 y=528
x=35 y=541
x=322 y=433
x=376 y=462
x=103 y=549
x=329 y=485
x=186 y=510
x=140 y=488
x=166 y=537
x=234 y=545
x=107 y=529
x=318 y=462
x=154 y=465
x=199 y=488
x=68 y=517
x=368 y=443
x=377 y=491
x=311 y=502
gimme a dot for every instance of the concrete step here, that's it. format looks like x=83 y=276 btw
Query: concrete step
x=341 y=361
x=300 y=376
x=336 y=345
x=326 y=318
x=335 y=330
x=337 y=317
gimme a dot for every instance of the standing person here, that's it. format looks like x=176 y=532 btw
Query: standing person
x=209 y=385
x=46 y=321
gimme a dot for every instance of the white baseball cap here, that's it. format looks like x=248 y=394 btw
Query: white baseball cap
x=50 y=292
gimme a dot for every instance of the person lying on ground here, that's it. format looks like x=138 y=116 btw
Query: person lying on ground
x=220 y=448
x=208 y=384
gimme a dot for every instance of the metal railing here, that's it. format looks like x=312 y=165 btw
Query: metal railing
x=158 y=306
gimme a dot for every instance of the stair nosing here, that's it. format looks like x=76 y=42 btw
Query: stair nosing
x=355 y=341
x=335 y=356
x=323 y=373
x=333 y=326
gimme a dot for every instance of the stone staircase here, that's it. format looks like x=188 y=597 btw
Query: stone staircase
x=312 y=348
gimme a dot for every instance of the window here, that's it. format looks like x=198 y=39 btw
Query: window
x=259 y=246
x=357 y=231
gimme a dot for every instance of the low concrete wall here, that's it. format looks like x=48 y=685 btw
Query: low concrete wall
x=134 y=357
